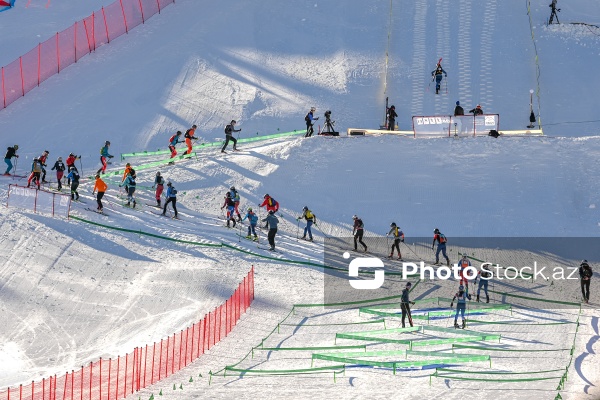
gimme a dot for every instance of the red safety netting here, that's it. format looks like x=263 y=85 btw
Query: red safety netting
x=68 y=46
x=145 y=365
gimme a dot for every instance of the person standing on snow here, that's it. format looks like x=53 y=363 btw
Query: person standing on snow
x=235 y=196
x=159 y=185
x=10 y=153
x=441 y=239
x=229 y=130
x=463 y=264
x=477 y=110
x=253 y=219
x=173 y=141
x=129 y=183
x=398 y=237
x=437 y=75
x=272 y=222
x=405 y=304
x=484 y=276
x=391 y=117
x=104 y=157
x=271 y=204
x=461 y=304
x=189 y=136
x=310 y=220
x=43 y=159
x=128 y=170
x=458 y=110
x=357 y=232
x=171 y=198
x=60 y=170
x=36 y=170
x=585 y=272
x=74 y=179
x=71 y=163
x=99 y=187
x=309 y=119
x=230 y=204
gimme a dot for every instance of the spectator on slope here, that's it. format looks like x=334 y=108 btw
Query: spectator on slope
x=173 y=141
x=236 y=199
x=129 y=183
x=159 y=182
x=10 y=153
x=73 y=177
x=171 y=198
x=43 y=159
x=391 y=117
x=230 y=204
x=271 y=221
x=484 y=276
x=99 y=187
x=189 y=136
x=405 y=304
x=398 y=237
x=60 y=168
x=271 y=204
x=458 y=110
x=437 y=75
x=585 y=272
x=310 y=220
x=461 y=304
x=477 y=110
x=229 y=129
x=309 y=119
x=36 y=170
x=253 y=219
x=441 y=239
x=71 y=163
x=104 y=156
x=357 y=232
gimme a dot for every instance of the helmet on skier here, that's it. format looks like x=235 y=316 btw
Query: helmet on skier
x=97 y=176
x=59 y=158
x=228 y=194
x=313 y=109
x=461 y=288
x=249 y=209
x=304 y=208
x=271 y=212
x=464 y=256
x=584 y=263
x=128 y=165
x=408 y=284
x=157 y=173
x=232 y=188
x=178 y=133
x=71 y=155
x=392 y=107
x=169 y=184
x=107 y=143
x=233 y=122
x=46 y=152
x=194 y=126
x=16 y=147
x=392 y=224
x=436 y=230
x=266 y=195
x=457 y=103
x=478 y=106
x=36 y=159
x=354 y=216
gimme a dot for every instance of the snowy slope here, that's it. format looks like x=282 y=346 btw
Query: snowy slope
x=265 y=65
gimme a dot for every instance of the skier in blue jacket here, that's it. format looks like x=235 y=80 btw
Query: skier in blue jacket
x=129 y=183
x=437 y=74
x=309 y=119
x=461 y=304
x=171 y=198
x=253 y=218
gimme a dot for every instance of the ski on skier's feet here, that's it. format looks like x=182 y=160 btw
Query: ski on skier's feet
x=96 y=211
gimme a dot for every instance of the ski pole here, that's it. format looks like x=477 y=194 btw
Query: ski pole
x=80 y=165
x=15 y=170
x=297 y=229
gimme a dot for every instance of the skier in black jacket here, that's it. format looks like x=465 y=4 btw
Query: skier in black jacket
x=392 y=118
x=585 y=272
x=229 y=129
x=10 y=153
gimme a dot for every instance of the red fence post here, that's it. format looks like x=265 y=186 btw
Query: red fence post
x=158 y=4
x=57 y=55
x=145 y=364
x=105 y=27
x=125 y=384
x=124 y=18
x=180 y=347
x=173 y=355
x=187 y=331
x=167 y=360
x=22 y=80
x=192 y=349
x=118 y=370
x=152 y=369
x=109 y=368
x=75 y=44
x=142 y=11
x=160 y=359
x=3 y=88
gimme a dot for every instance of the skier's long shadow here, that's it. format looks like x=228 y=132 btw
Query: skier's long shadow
x=590 y=350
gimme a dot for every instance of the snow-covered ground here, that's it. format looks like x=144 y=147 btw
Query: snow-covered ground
x=71 y=292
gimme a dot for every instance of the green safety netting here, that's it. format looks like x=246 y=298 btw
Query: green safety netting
x=153 y=164
x=214 y=144
x=493 y=348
